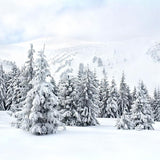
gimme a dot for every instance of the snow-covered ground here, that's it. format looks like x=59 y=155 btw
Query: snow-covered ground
x=102 y=142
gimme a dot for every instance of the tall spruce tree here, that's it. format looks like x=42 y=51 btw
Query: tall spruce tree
x=15 y=97
x=104 y=95
x=156 y=105
x=22 y=84
x=80 y=71
x=134 y=94
x=112 y=102
x=55 y=87
x=40 y=115
x=124 y=97
x=88 y=98
x=2 y=88
x=124 y=122
x=11 y=85
x=68 y=101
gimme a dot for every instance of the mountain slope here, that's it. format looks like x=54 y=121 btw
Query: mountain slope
x=65 y=55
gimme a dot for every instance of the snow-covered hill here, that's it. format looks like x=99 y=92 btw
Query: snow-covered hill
x=65 y=55
x=154 y=52
x=79 y=143
x=114 y=57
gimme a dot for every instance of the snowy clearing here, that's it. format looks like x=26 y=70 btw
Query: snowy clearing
x=102 y=142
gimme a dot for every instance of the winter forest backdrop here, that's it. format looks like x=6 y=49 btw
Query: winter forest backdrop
x=79 y=79
x=41 y=106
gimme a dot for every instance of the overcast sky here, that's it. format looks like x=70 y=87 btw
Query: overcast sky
x=97 y=20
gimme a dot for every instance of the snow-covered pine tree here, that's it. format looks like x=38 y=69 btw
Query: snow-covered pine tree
x=55 y=87
x=156 y=105
x=96 y=85
x=87 y=102
x=81 y=70
x=104 y=95
x=11 y=85
x=130 y=100
x=124 y=122
x=40 y=115
x=30 y=64
x=123 y=101
x=68 y=101
x=2 y=88
x=141 y=113
x=112 y=102
x=22 y=84
x=15 y=97
x=134 y=94
x=28 y=70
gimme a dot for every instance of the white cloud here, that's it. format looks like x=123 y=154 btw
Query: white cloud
x=99 y=20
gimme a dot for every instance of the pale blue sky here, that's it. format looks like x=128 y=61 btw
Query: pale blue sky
x=97 y=20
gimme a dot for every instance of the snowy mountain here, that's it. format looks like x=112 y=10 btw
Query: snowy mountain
x=65 y=55
x=154 y=52
x=98 y=56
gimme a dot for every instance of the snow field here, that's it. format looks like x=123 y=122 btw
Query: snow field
x=103 y=142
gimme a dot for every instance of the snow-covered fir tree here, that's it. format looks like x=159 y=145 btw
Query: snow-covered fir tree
x=81 y=70
x=104 y=95
x=68 y=101
x=124 y=121
x=23 y=84
x=27 y=72
x=130 y=100
x=112 y=102
x=2 y=88
x=156 y=105
x=134 y=94
x=55 y=87
x=30 y=64
x=96 y=85
x=141 y=112
x=15 y=97
x=123 y=101
x=88 y=98
x=11 y=84
x=40 y=115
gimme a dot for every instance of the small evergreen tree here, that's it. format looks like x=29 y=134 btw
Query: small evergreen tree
x=141 y=113
x=68 y=101
x=124 y=122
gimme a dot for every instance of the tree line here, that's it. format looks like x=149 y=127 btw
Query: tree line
x=41 y=106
